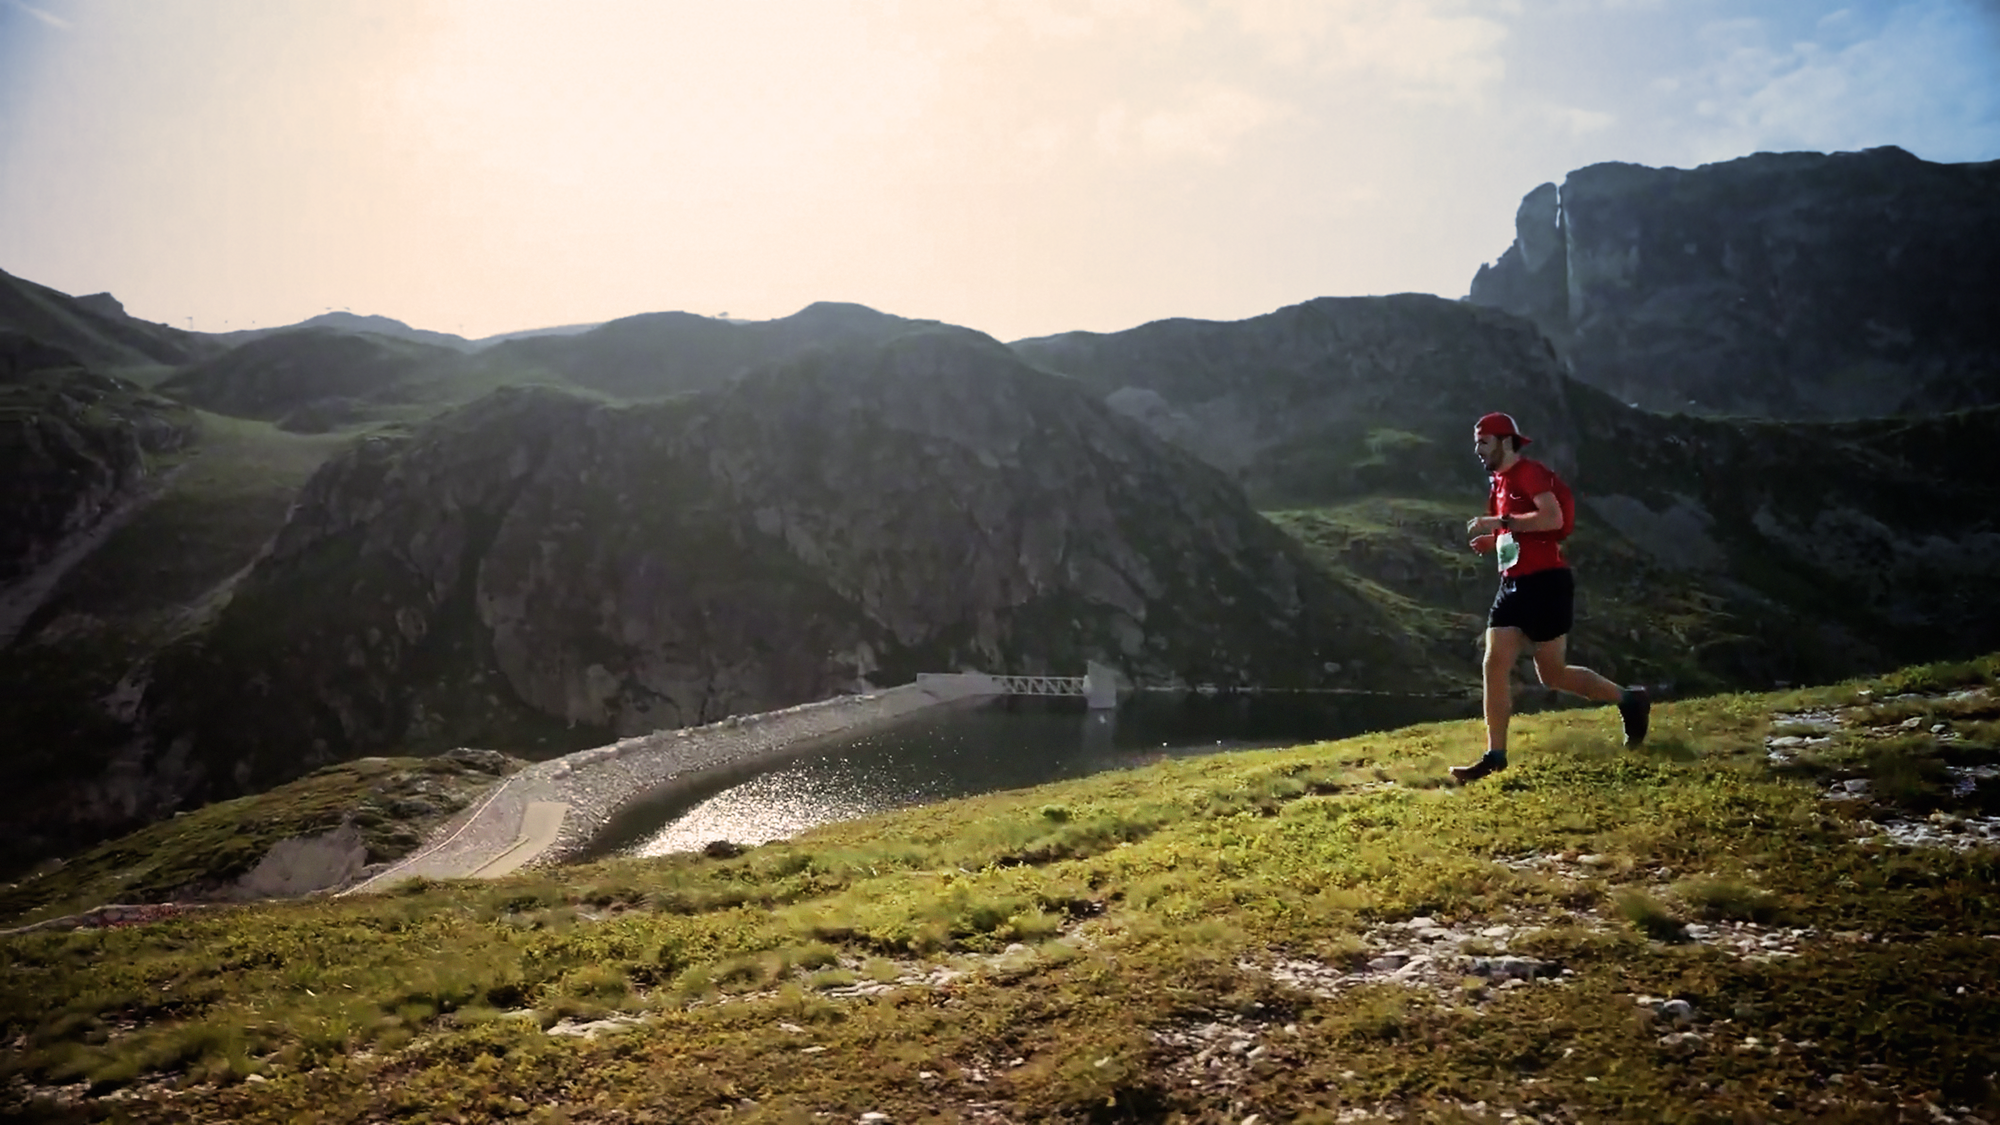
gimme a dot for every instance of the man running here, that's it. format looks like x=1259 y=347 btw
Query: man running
x=1528 y=513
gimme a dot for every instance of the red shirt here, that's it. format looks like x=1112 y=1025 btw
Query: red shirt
x=1513 y=494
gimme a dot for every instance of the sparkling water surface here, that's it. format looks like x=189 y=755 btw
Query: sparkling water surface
x=965 y=750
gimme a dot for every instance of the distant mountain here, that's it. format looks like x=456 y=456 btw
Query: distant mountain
x=656 y=354
x=532 y=333
x=96 y=328
x=351 y=322
x=1787 y=285
x=311 y=378
x=1338 y=396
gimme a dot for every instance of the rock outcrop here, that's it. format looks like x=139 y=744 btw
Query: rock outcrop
x=543 y=570
x=1861 y=544
x=1785 y=285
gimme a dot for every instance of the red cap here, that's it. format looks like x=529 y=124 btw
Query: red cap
x=1501 y=425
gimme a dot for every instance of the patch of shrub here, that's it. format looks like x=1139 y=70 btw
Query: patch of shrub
x=1649 y=916
x=613 y=894
x=1717 y=900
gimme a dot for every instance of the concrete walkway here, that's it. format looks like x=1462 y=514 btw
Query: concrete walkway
x=551 y=810
x=539 y=828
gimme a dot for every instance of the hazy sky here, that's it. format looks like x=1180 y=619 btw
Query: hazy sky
x=1019 y=166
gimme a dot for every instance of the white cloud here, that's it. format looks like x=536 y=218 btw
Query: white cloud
x=1581 y=121
x=1207 y=124
x=1436 y=51
x=1921 y=79
x=1044 y=138
x=49 y=18
x=1077 y=19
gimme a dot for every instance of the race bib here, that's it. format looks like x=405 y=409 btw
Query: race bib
x=1506 y=550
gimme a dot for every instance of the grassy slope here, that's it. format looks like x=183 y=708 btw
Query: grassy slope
x=227 y=496
x=1150 y=907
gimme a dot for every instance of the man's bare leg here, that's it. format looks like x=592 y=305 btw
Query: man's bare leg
x=1552 y=665
x=1503 y=647
x=1634 y=707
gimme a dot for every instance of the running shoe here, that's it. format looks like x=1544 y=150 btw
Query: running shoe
x=1492 y=762
x=1634 y=706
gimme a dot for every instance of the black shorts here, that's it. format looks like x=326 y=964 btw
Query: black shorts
x=1541 y=604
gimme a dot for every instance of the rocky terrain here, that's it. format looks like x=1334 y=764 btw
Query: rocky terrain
x=1783 y=285
x=1779 y=908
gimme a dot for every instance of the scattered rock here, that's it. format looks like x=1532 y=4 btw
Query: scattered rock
x=593 y=1028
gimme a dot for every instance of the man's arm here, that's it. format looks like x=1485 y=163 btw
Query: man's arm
x=1548 y=516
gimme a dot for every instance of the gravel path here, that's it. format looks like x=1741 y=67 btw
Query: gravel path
x=551 y=810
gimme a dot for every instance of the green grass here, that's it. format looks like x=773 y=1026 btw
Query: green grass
x=229 y=495
x=1401 y=555
x=1091 y=923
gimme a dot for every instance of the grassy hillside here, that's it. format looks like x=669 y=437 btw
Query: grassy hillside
x=96 y=329
x=394 y=802
x=312 y=379
x=1637 y=622
x=1691 y=932
x=657 y=354
x=76 y=670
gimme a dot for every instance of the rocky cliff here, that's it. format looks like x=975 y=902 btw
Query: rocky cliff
x=544 y=570
x=1857 y=544
x=1787 y=285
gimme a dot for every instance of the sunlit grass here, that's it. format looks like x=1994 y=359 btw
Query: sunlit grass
x=1081 y=918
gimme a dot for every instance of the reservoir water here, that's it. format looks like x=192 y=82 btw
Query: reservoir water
x=959 y=751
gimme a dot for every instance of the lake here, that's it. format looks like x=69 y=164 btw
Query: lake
x=960 y=751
